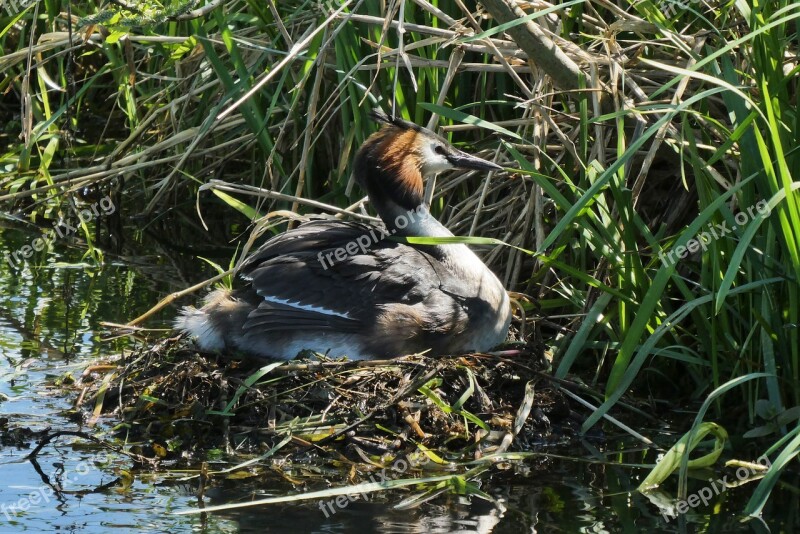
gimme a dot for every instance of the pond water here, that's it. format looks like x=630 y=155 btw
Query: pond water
x=50 y=328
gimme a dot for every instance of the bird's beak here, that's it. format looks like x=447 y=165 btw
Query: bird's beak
x=462 y=160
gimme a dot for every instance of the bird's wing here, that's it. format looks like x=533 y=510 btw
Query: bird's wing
x=302 y=286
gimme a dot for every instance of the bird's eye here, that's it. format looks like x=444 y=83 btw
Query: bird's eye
x=439 y=149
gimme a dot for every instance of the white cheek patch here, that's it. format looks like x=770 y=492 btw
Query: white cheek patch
x=433 y=162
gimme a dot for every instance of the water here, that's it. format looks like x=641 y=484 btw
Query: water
x=50 y=327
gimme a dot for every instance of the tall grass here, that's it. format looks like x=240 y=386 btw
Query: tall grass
x=681 y=124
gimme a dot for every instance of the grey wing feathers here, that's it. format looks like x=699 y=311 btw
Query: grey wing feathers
x=297 y=291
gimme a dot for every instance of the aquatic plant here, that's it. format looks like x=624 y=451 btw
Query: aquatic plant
x=655 y=182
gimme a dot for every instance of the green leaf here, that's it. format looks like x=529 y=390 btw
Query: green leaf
x=183 y=48
x=248 y=383
x=672 y=459
x=460 y=116
x=238 y=205
x=115 y=36
x=455 y=240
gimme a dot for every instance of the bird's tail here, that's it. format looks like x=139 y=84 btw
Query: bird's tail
x=203 y=324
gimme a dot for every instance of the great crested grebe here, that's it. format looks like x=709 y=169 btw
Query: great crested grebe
x=336 y=287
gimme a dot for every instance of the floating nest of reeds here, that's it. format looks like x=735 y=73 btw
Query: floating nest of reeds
x=177 y=404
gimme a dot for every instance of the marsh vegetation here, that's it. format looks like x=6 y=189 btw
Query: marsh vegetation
x=649 y=199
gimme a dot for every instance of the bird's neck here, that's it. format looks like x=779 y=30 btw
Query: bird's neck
x=456 y=258
x=395 y=192
x=417 y=222
x=426 y=225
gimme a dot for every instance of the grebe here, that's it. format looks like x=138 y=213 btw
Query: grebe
x=336 y=287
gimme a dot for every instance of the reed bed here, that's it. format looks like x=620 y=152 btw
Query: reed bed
x=629 y=131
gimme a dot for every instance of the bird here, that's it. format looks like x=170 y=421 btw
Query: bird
x=346 y=288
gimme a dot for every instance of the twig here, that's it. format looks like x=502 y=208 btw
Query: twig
x=293 y=53
x=61 y=491
x=412 y=387
x=126 y=7
x=219 y=185
x=199 y=12
x=172 y=297
x=345 y=365
x=532 y=39
x=52 y=436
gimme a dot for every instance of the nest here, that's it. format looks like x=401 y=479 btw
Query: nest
x=177 y=404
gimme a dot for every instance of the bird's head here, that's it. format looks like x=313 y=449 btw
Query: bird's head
x=392 y=163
